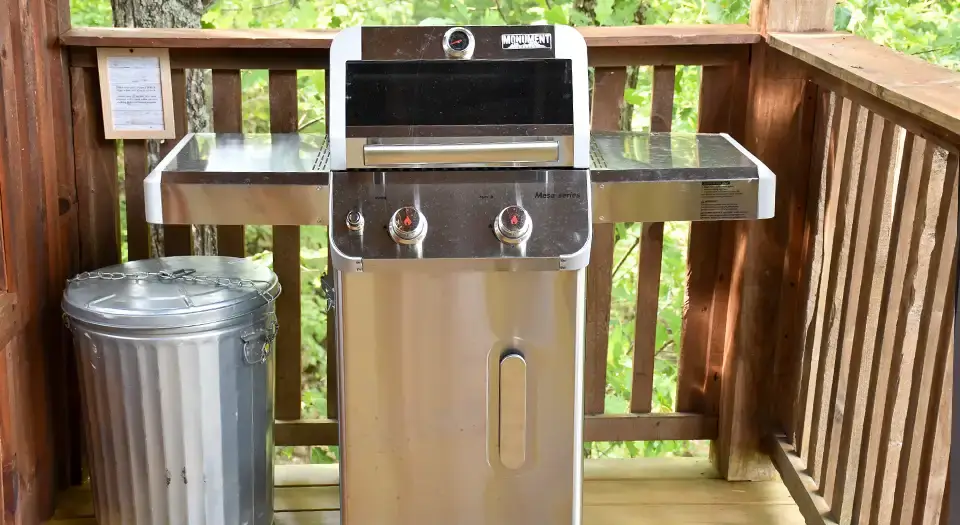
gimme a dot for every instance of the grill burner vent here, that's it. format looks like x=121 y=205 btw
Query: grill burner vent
x=596 y=156
x=322 y=162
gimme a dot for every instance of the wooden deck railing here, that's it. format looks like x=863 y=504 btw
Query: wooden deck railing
x=723 y=51
x=870 y=433
x=847 y=375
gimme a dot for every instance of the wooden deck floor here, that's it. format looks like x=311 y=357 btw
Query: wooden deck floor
x=671 y=491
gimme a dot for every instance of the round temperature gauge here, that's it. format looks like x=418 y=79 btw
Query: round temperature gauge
x=458 y=43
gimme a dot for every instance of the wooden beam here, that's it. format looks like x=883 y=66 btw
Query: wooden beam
x=609 y=84
x=779 y=131
x=96 y=169
x=609 y=427
x=649 y=427
x=801 y=486
x=35 y=159
x=308 y=58
x=709 y=255
x=306 y=432
x=905 y=82
x=134 y=172
x=228 y=118
x=177 y=239
x=286 y=263
x=792 y=15
x=286 y=39
x=650 y=262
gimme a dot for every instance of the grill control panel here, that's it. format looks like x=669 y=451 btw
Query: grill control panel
x=457 y=215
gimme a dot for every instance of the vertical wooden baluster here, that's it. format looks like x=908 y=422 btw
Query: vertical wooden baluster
x=608 y=89
x=824 y=150
x=945 y=503
x=333 y=379
x=937 y=284
x=98 y=200
x=177 y=239
x=832 y=243
x=833 y=403
x=908 y=221
x=651 y=258
x=228 y=118
x=882 y=276
x=935 y=473
x=788 y=355
x=286 y=262
x=135 y=170
x=864 y=237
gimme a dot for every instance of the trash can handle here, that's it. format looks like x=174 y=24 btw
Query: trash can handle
x=268 y=335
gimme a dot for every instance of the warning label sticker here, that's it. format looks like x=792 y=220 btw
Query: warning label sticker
x=727 y=200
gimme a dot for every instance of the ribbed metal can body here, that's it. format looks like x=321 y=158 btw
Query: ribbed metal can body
x=178 y=421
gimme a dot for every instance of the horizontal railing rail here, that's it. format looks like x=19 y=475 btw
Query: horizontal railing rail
x=723 y=53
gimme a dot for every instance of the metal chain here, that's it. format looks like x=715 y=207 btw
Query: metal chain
x=190 y=276
x=184 y=275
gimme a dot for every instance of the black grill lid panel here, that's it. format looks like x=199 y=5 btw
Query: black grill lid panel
x=459 y=93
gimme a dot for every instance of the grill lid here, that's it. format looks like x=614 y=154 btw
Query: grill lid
x=186 y=295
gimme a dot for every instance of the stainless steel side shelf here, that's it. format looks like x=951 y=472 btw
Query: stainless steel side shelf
x=279 y=179
x=641 y=177
x=283 y=179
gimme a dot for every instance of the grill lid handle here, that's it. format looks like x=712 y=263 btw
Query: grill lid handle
x=505 y=152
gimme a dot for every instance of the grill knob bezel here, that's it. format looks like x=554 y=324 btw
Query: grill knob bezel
x=509 y=234
x=404 y=236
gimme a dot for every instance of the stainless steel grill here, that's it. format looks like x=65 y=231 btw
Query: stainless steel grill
x=460 y=188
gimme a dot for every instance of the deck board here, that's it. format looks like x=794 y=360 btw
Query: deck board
x=679 y=491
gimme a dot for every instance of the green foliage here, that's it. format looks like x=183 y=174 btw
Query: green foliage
x=91 y=13
x=929 y=29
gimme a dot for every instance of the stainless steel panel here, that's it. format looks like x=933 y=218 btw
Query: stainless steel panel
x=661 y=156
x=459 y=152
x=677 y=200
x=269 y=154
x=289 y=204
x=278 y=179
x=487 y=131
x=463 y=153
x=675 y=177
x=426 y=42
x=420 y=358
x=178 y=427
x=461 y=207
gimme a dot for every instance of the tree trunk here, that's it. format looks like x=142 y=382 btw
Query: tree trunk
x=633 y=73
x=165 y=14
x=589 y=9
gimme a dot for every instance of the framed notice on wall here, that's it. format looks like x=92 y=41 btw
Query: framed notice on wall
x=136 y=93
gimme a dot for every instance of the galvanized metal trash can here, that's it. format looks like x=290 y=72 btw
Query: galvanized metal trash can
x=176 y=374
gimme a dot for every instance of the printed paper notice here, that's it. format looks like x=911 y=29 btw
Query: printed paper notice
x=136 y=97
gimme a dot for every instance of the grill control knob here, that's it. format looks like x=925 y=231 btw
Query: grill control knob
x=513 y=225
x=408 y=225
x=354 y=221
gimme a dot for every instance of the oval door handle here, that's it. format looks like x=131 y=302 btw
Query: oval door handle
x=513 y=411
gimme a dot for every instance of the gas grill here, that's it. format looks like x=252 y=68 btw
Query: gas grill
x=459 y=186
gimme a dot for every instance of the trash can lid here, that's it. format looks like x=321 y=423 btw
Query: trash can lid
x=170 y=292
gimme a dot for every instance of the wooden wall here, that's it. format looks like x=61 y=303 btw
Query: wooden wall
x=38 y=251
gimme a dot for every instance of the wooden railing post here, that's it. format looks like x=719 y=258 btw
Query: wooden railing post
x=767 y=261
